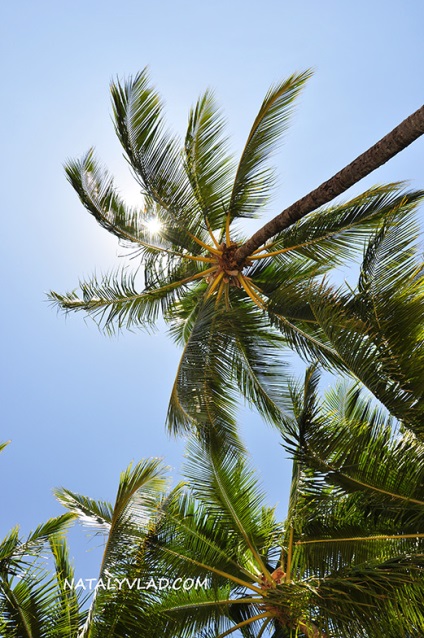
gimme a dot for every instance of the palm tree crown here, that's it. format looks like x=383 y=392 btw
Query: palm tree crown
x=231 y=317
x=348 y=560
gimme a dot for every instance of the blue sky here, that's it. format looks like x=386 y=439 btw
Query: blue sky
x=78 y=406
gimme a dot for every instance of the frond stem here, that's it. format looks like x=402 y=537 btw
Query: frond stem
x=241 y=529
x=311 y=242
x=368 y=486
x=208 y=260
x=239 y=625
x=380 y=537
x=17 y=606
x=214 y=284
x=264 y=626
x=219 y=293
x=207 y=247
x=227 y=230
x=307 y=336
x=214 y=239
x=289 y=557
x=250 y=292
x=218 y=572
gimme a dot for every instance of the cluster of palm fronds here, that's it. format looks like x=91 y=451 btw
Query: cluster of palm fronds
x=349 y=559
x=233 y=316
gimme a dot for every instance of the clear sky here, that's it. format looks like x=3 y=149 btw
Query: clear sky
x=78 y=406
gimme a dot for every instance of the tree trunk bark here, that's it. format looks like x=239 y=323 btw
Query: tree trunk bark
x=398 y=139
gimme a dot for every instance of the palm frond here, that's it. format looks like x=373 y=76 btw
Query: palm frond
x=126 y=525
x=377 y=330
x=237 y=339
x=114 y=301
x=153 y=154
x=16 y=553
x=356 y=446
x=32 y=601
x=203 y=395
x=96 y=515
x=67 y=614
x=208 y=166
x=357 y=495
x=359 y=347
x=26 y=606
x=258 y=363
x=223 y=479
x=253 y=181
x=392 y=589
x=187 y=613
x=334 y=234
x=309 y=341
x=97 y=193
x=3 y=445
x=390 y=298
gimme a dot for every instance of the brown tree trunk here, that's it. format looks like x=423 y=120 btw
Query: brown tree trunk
x=398 y=139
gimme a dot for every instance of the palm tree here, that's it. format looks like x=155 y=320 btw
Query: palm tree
x=377 y=326
x=210 y=558
x=390 y=145
x=348 y=561
x=32 y=601
x=35 y=603
x=117 y=607
x=231 y=315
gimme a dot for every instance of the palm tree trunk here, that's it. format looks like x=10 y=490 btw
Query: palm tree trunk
x=394 y=142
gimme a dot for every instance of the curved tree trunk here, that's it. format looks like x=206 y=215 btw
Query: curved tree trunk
x=398 y=139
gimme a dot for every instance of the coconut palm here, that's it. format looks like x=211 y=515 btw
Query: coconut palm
x=394 y=142
x=349 y=559
x=231 y=316
x=117 y=605
x=377 y=326
x=33 y=602
x=209 y=558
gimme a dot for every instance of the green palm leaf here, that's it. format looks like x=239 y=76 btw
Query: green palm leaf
x=96 y=190
x=14 y=552
x=226 y=313
x=391 y=589
x=32 y=602
x=253 y=181
x=377 y=329
x=67 y=613
x=358 y=494
x=125 y=525
x=3 y=445
x=224 y=480
x=114 y=301
x=357 y=446
x=208 y=166
x=139 y=489
x=201 y=395
x=334 y=234
x=226 y=351
x=153 y=154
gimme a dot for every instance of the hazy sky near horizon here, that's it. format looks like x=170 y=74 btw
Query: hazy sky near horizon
x=78 y=406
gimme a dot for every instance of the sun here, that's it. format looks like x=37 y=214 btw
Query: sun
x=153 y=225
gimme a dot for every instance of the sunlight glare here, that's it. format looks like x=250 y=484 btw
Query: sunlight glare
x=153 y=225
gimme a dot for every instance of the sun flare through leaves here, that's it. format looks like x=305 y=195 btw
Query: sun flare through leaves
x=232 y=317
